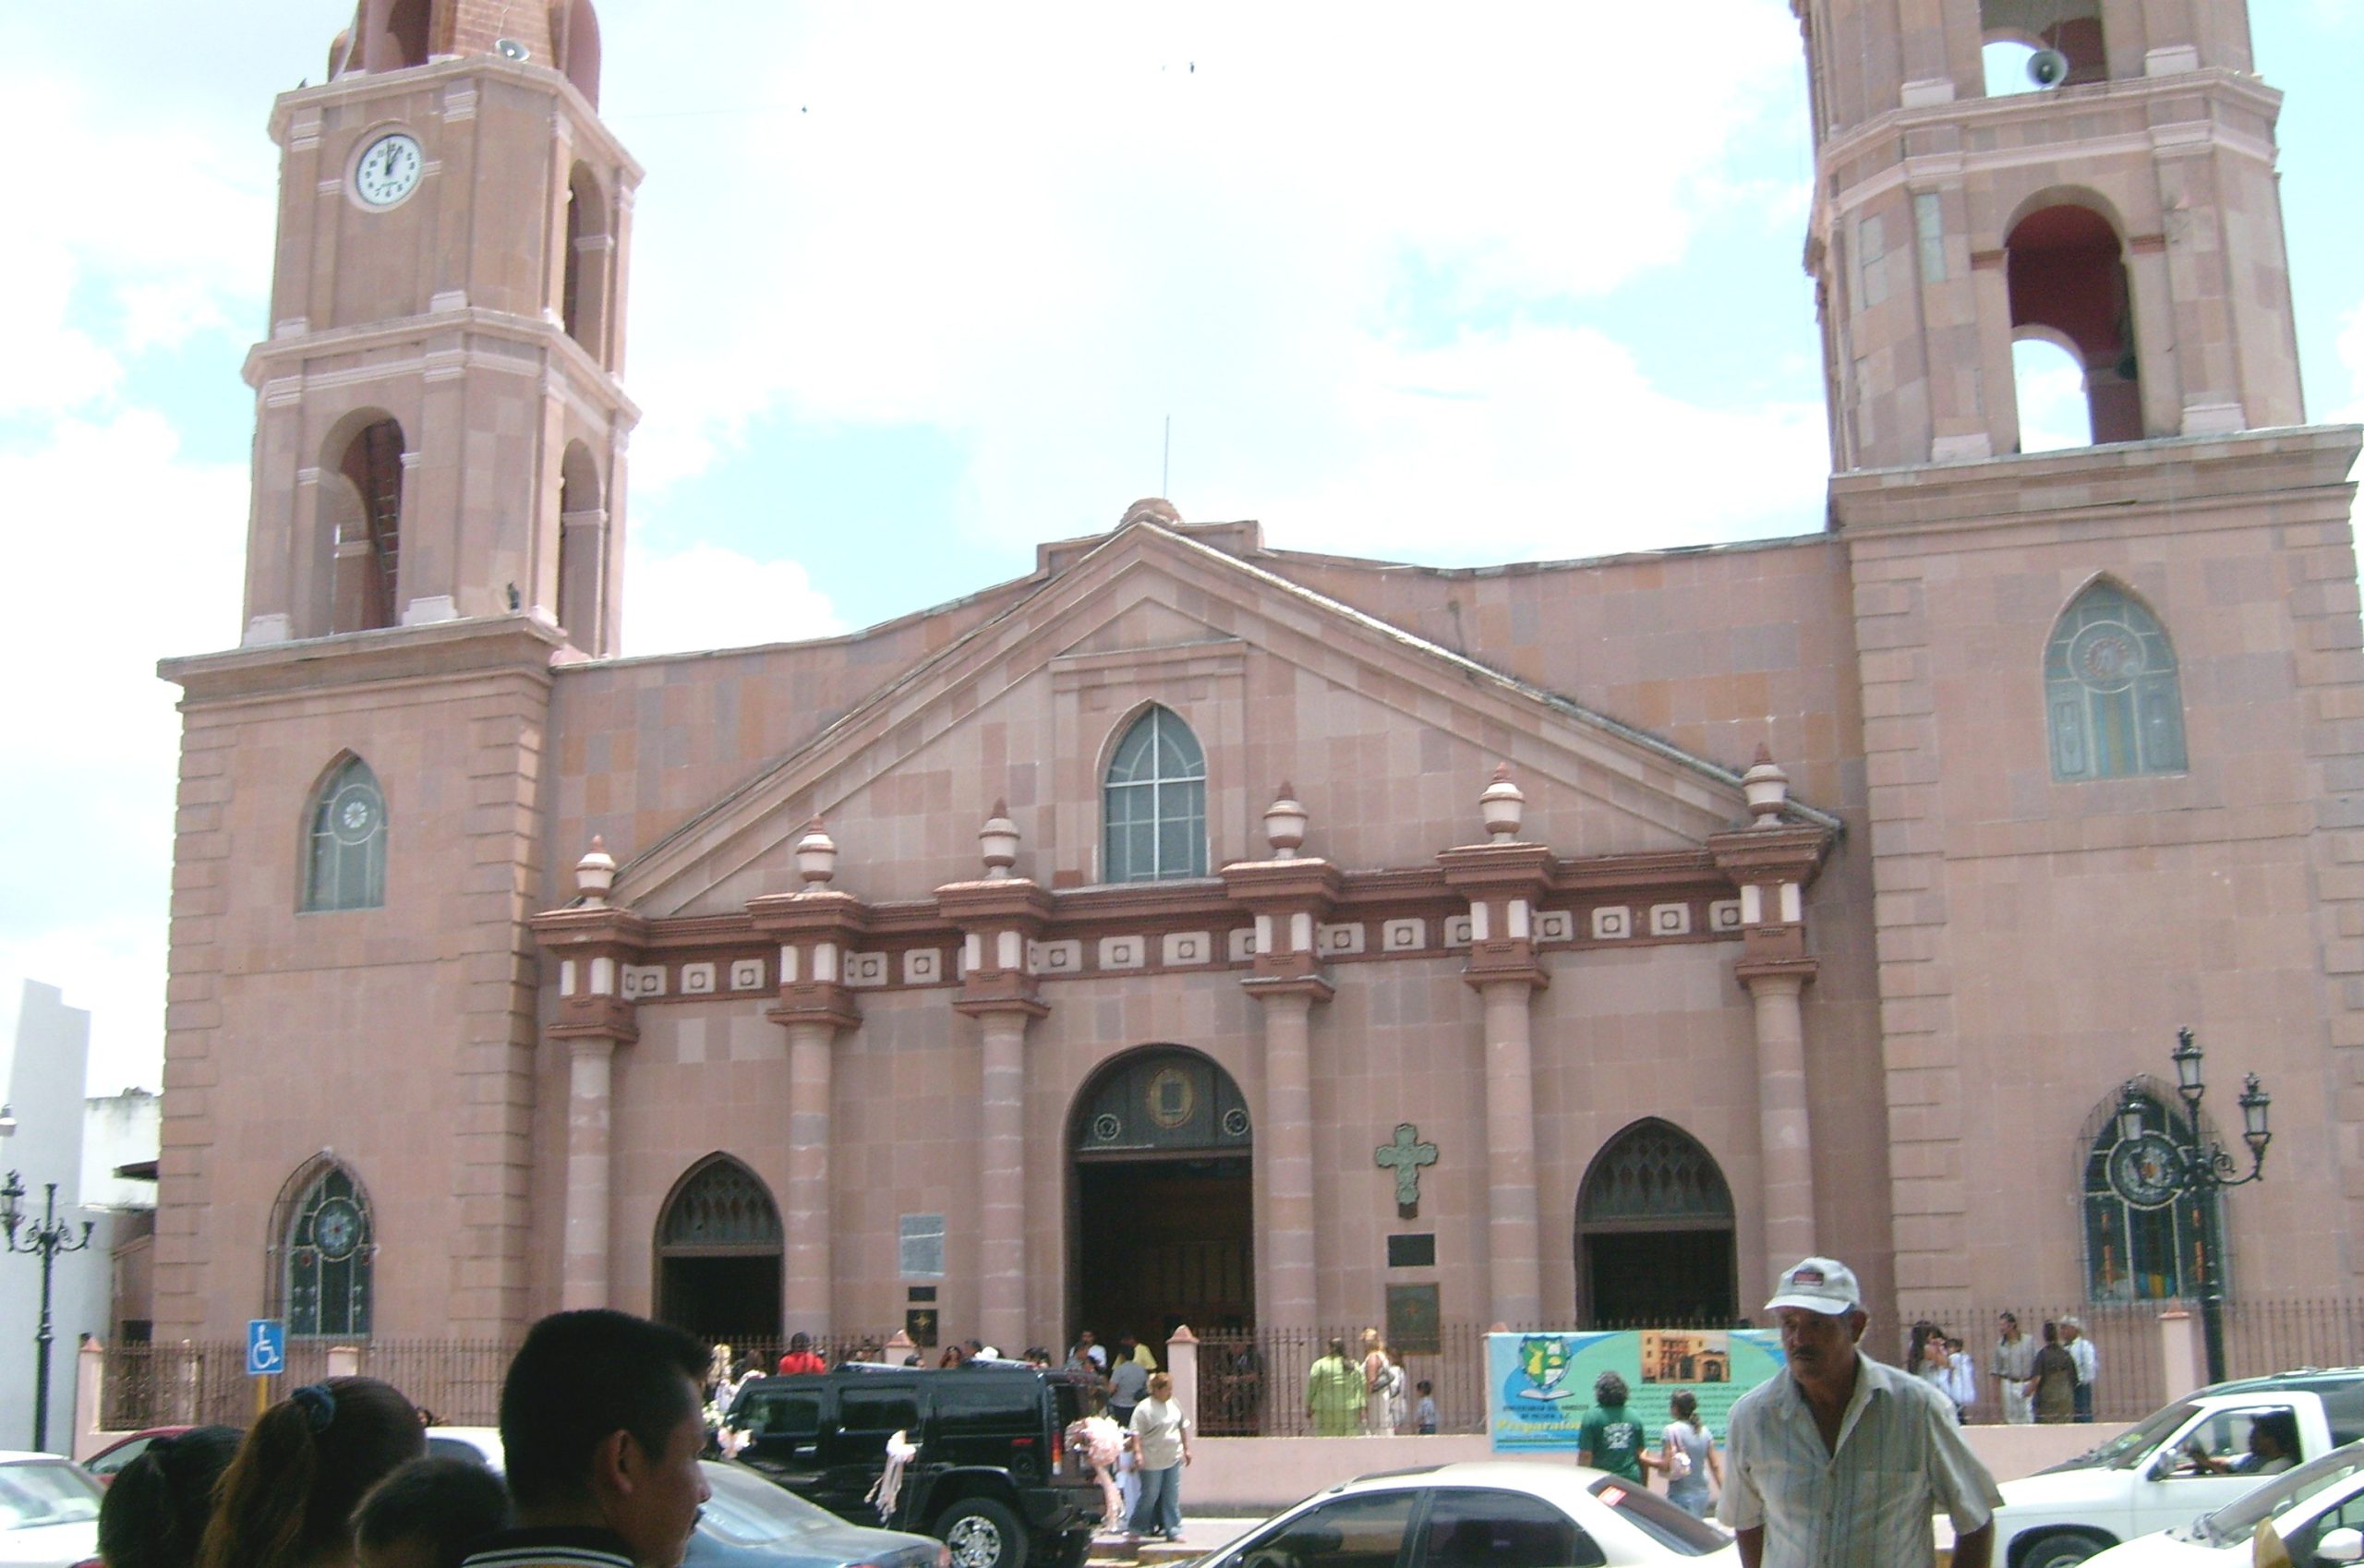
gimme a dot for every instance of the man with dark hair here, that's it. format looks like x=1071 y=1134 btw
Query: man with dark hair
x=601 y=1425
x=1609 y=1439
x=801 y=1357
x=429 y=1513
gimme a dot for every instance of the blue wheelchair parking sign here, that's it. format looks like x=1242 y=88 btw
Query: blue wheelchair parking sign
x=266 y=1346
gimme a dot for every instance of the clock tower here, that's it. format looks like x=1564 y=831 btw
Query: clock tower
x=436 y=523
x=439 y=427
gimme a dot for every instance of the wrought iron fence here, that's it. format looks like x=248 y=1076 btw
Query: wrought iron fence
x=1253 y=1385
x=2128 y=1375
x=2280 y=1335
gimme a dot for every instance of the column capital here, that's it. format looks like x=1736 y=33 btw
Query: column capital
x=1313 y=986
x=592 y=944
x=815 y=930
x=1288 y=899
x=997 y=916
x=1775 y=975
x=1503 y=883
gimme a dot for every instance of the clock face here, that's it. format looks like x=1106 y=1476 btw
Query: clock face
x=389 y=169
x=2142 y=1170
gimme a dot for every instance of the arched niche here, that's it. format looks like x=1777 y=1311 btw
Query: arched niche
x=719 y=1246
x=1162 y=1212
x=1654 y=1243
x=2066 y=275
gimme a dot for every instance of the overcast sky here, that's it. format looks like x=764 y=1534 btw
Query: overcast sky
x=916 y=287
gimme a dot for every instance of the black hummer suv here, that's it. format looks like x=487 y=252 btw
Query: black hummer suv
x=993 y=1478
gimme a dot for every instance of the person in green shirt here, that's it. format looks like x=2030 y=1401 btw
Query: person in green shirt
x=1610 y=1440
x=1334 y=1393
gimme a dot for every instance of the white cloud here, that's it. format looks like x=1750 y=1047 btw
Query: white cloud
x=706 y=597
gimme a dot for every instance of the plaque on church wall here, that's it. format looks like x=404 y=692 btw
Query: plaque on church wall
x=1417 y=1250
x=1412 y=1320
x=919 y=1322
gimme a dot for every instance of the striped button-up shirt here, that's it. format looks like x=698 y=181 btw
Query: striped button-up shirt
x=1900 y=1458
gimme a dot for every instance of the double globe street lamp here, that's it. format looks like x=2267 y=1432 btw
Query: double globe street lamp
x=2151 y=1169
x=49 y=1238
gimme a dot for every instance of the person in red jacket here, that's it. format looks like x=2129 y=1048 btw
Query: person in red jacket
x=800 y=1357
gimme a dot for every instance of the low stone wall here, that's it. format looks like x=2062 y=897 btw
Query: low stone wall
x=1257 y=1475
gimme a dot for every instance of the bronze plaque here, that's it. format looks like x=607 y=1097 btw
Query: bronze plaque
x=1412 y=1320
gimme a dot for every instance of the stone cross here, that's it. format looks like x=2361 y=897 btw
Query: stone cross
x=1407 y=1155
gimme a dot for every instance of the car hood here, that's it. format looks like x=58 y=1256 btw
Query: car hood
x=2086 y=1488
x=50 y=1543
x=2164 y=1551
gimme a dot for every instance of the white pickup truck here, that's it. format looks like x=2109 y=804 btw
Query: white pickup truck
x=2191 y=1456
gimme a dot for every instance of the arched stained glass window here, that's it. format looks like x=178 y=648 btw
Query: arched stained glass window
x=2114 y=703
x=721 y=1204
x=344 y=860
x=1156 y=803
x=330 y=1250
x=2134 y=1251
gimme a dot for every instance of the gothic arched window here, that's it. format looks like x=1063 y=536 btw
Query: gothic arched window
x=328 y=1249
x=2113 y=701
x=1156 y=803
x=2142 y=1251
x=344 y=852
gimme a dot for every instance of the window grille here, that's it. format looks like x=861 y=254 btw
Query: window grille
x=332 y=1247
x=2114 y=700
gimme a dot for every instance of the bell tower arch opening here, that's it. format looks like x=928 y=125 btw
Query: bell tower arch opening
x=719 y=1253
x=2067 y=276
x=1160 y=1219
x=1654 y=1233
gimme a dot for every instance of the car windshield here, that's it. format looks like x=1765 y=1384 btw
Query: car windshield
x=2129 y=1447
x=44 y=1492
x=1660 y=1520
x=746 y=1510
x=2238 y=1519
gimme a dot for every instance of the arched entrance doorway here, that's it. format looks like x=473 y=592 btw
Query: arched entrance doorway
x=1161 y=1227
x=719 y=1253
x=1654 y=1233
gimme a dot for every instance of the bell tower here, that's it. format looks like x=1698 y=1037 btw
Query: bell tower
x=440 y=425
x=2128 y=211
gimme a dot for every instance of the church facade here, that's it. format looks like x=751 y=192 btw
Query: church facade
x=1197 y=931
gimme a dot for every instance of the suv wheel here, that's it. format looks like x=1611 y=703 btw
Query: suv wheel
x=2058 y=1550
x=982 y=1534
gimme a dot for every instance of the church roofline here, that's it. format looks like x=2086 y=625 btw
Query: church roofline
x=926 y=668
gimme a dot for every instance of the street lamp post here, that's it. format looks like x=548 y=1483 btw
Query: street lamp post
x=2151 y=1169
x=49 y=1238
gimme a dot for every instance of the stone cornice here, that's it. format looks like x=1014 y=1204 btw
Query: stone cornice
x=356 y=88
x=813 y=916
x=1003 y=904
x=498 y=644
x=1771 y=855
x=1795 y=969
x=1314 y=886
x=278 y=361
x=2197 y=475
x=1511 y=870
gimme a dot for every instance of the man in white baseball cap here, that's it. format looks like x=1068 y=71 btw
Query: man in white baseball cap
x=1843 y=1460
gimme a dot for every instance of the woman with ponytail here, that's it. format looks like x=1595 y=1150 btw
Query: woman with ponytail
x=287 y=1500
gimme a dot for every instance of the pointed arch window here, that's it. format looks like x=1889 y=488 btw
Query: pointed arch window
x=1155 y=800
x=2114 y=701
x=344 y=860
x=2137 y=1252
x=328 y=1251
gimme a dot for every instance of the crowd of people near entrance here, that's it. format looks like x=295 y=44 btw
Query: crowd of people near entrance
x=1135 y=1435
x=2051 y=1380
x=1369 y=1394
x=601 y=1425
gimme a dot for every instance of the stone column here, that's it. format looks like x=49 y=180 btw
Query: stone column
x=1784 y=1133
x=815 y=929
x=583 y=1280
x=1504 y=879
x=805 y=1304
x=593 y=940
x=1514 y=1228
x=1288 y=898
x=1771 y=862
x=1000 y=915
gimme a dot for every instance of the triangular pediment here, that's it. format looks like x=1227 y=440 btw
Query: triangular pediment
x=1305 y=687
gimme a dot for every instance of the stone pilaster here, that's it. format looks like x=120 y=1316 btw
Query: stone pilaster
x=592 y=944
x=815 y=929
x=1772 y=866
x=1288 y=899
x=999 y=918
x=1502 y=882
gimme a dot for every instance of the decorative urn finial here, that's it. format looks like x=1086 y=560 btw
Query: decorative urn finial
x=1503 y=805
x=816 y=856
x=1284 y=822
x=595 y=873
x=1767 y=787
x=998 y=841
